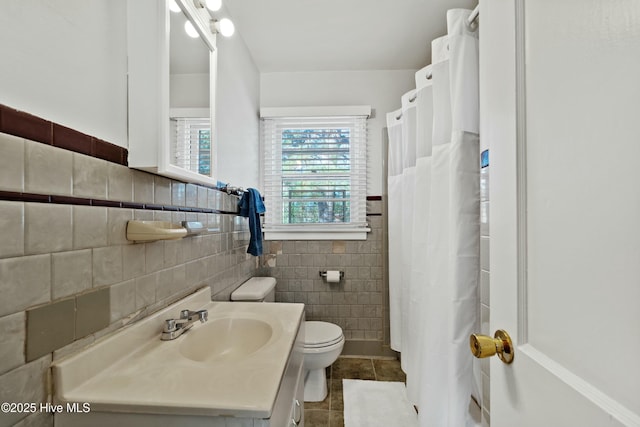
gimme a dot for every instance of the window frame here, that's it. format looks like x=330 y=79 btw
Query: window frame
x=357 y=228
x=188 y=117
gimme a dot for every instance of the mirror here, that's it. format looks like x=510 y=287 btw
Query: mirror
x=171 y=86
x=190 y=129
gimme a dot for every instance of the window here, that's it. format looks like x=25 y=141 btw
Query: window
x=191 y=144
x=314 y=173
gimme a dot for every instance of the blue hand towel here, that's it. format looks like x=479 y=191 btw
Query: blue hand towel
x=251 y=207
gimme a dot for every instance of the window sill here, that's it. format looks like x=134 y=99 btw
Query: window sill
x=316 y=233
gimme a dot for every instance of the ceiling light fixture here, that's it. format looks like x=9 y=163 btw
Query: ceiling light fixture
x=191 y=30
x=173 y=6
x=214 y=5
x=224 y=26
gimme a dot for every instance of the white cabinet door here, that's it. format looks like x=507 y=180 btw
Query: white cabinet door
x=563 y=127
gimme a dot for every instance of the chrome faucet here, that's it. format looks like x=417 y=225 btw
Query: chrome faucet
x=173 y=328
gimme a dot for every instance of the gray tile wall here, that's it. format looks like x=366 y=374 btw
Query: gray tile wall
x=484 y=289
x=356 y=303
x=69 y=276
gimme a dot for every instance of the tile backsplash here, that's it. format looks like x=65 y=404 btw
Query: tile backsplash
x=68 y=276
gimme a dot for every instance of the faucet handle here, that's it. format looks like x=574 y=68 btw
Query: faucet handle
x=203 y=315
x=170 y=325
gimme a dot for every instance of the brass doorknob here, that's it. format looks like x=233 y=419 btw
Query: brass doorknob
x=484 y=346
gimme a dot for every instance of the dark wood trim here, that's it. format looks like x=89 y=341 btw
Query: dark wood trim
x=373 y=198
x=14 y=196
x=24 y=197
x=106 y=203
x=68 y=200
x=72 y=140
x=24 y=125
x=131 y=205
x=152 y=207
x=110 y=152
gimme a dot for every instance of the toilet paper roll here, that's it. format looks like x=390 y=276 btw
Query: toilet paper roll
x=333 y=276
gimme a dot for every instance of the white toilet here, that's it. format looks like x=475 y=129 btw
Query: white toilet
x=323 y=341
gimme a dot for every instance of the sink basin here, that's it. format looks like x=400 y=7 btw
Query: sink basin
x=219 y=340
x=231 y=366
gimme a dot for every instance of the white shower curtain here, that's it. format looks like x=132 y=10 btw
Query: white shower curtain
x=434 y=228
x=419 y=261
x=408 y=193
x=454 y=233
x=394 y=213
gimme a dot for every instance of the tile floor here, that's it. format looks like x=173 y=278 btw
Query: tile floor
x=329 y=412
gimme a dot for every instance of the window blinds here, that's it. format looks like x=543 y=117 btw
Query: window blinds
x=314 y=171
x=191 y=144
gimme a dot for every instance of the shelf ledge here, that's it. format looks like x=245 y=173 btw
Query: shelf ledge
x=146 y=231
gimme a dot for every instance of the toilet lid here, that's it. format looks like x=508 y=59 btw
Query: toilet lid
x=254 y=289
x=321 y=334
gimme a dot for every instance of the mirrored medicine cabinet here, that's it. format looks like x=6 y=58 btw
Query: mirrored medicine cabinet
x=171 y=90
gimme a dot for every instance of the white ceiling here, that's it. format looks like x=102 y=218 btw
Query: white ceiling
x=336 y=35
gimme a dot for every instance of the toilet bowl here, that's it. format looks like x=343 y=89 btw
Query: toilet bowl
x=323 y=341
x=323 y=344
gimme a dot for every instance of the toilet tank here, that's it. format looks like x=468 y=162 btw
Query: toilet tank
x=256 y=289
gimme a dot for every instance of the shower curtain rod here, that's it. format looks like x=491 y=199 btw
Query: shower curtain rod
x=474 y=15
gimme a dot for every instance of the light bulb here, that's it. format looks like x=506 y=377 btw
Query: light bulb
x=214 y=5
x=190 y=29
x=173 y=6
x=226 y=27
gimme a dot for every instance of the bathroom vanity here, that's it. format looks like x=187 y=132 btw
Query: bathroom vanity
x=242 y=367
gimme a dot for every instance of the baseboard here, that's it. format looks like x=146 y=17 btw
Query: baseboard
x=367 y=348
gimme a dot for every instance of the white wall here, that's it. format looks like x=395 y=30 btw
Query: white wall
x=380 y=89
x=66 y=61
x=237 y=108
x=189 y=91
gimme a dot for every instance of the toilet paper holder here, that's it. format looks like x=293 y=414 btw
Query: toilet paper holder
x=324 y=274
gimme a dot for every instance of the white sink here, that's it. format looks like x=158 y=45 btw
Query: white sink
x=231 y=365
x=225 y=339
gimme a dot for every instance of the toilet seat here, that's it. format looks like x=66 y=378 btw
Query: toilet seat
x=321 y=334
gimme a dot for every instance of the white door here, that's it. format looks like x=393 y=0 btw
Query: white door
x=565 y=209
